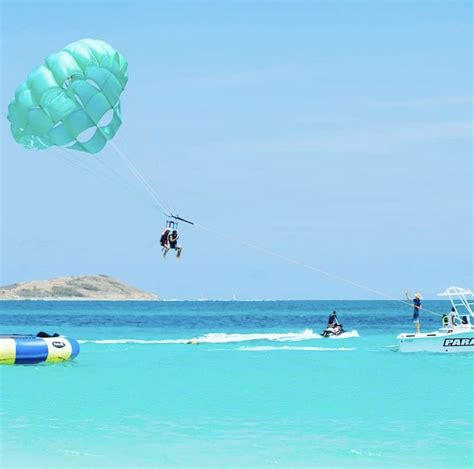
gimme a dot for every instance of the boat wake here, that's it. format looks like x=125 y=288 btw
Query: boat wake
x=224 y=338
x=346 y=335
x=133 y=341
x=266 y=348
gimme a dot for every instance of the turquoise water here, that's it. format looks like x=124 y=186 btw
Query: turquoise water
x=139 y=396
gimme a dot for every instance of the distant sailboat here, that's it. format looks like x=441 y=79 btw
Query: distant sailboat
x=202 y=298
x=234 y=298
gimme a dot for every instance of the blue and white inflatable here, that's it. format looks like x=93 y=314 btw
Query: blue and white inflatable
x=18 y=349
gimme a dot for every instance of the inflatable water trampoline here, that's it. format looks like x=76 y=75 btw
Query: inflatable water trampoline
x=23 y=349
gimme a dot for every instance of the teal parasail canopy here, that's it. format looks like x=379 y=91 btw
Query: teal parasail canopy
x=72 y=100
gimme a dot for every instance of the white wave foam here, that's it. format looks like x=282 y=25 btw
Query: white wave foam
x=222 y=338
x=346 y=335
x=360 y=453
x=134 y=341
x=218 y=338
x=266 y=348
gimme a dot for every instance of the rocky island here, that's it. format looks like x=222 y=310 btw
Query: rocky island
x=84 y=287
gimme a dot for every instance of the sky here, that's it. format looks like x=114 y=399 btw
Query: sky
x=338 y=134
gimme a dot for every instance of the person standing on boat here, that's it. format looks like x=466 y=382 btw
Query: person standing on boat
x=416 y=309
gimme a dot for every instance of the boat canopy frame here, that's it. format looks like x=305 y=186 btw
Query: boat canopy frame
x=458 y=297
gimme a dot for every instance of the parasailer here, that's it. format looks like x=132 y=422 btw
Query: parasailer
x=164 y=239
x=173 y=240
x=169 y=239
x=73 y=101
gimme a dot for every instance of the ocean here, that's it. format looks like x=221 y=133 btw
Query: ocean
x=261 y=389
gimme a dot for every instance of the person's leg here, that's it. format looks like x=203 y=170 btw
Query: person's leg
x=178 y=251
x=417 y=326
x=165 y=251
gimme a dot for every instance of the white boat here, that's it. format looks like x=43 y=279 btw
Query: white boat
x=456 y=333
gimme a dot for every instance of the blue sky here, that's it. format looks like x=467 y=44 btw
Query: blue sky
x=339 y=133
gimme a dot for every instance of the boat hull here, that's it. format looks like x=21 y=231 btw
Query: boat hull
x=461 y=341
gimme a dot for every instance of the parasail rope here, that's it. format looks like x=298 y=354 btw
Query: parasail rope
x=307 y=266
x=83 y=164
x=123 y=181
x=71 y=161
x=158 y=200
x=164 y=208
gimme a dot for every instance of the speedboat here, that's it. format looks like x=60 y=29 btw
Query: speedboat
x=456 y=333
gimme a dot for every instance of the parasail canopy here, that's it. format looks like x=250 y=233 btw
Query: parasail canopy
x=72 y=100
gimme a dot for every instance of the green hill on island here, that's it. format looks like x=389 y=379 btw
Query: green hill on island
x=83 y=287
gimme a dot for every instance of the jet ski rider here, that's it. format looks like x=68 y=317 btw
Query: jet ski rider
x=332 y=320
x=333 y=323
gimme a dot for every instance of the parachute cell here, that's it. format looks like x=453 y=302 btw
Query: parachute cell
x=70 y=93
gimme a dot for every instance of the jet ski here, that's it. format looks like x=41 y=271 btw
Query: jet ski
x=333 y=331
